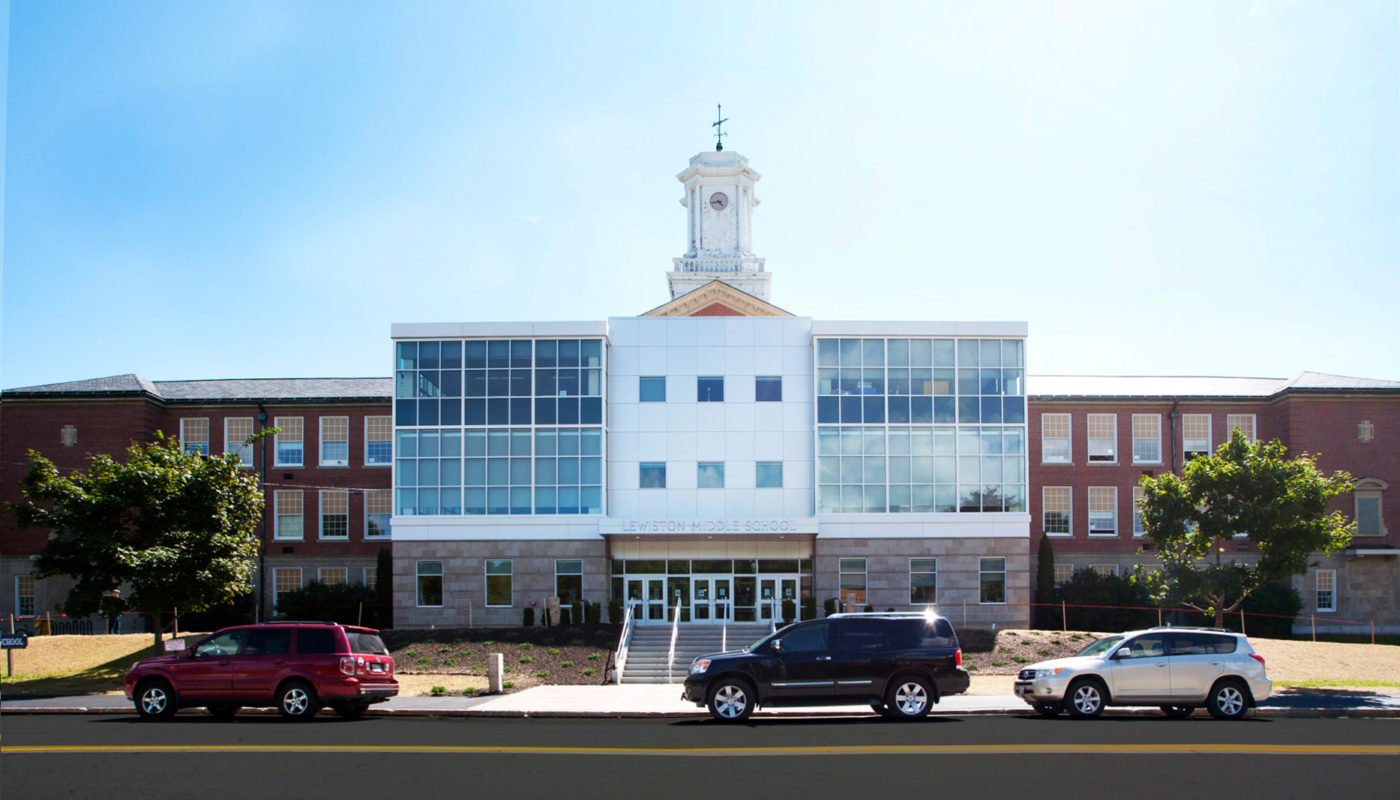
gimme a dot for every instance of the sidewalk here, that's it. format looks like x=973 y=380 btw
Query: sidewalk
x=663 y=701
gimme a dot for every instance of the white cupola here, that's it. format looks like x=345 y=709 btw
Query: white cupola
x=719 y=202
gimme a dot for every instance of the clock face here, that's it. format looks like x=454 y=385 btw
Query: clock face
x=719 y=201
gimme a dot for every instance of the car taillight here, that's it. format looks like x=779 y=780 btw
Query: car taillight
x=347 y=665
x=1258 y=658
x=957 y=657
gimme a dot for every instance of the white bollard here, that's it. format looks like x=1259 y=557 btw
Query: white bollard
x=495 y=667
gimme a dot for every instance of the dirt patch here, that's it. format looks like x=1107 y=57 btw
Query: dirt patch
x=456 y=659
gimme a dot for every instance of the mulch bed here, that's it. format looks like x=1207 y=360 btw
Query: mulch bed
x=567 y=655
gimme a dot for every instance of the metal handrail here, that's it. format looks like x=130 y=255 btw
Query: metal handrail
x=773 y=615
x=675 y=628
x=624 y=643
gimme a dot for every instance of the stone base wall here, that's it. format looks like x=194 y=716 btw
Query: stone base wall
x=1368 y=590
x=958 y=587
x=464 y=580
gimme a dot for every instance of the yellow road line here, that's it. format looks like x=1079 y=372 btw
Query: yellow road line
x=850 y=750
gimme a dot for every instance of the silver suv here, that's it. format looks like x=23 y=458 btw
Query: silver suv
x=1176 y=669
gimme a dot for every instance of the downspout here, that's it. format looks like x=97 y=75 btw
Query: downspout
x=1171 y=427
x=262 y=522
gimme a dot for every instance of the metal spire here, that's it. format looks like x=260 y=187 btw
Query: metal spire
x=719 y=131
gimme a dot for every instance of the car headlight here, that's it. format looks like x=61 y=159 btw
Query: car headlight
x=1042 y=674
x=700 y=665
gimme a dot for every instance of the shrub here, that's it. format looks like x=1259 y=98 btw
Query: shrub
x=589 y=671
x=488 y=643
x=554 y=651
x=829 y=605
x=615 y=611
x=567 y=664
x=593 y=613
x=1089 y=588
x=566 y=616
x=869 y=609
x=529 y=618
x=339 y=602
x=449 y=662
x=1277 y=598
x=542 y=674
x=527 y=659
x=789 y=609
x=478 y=667
x=469 y=691
x=594 y=656
x=577 y=607
x=577 y=643
x=439 y=691
x=525 y=646
x=809 y=607
x=508 y=685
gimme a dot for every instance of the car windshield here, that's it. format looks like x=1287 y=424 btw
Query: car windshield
x=758 y=643
x=1101 y=646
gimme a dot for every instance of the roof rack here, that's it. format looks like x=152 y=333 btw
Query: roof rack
x=919 y=614
x=298 y=622
x=1190 y=628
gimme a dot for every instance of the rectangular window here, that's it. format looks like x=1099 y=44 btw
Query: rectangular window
x=1195 y=435
x=709 y=475
x=333 y=576
x=1103 y=438
x=1054 y=439
x=1103 y=511
x=1244 y=423
x=335 y=514
x=1105 y=569
x=768 y=388
x=24 y=595
x=1063 y=573
x=568 y=581
x=194 y=435
x=709 y=390
x=379 y=507
x=923 y=581
x=289 y=441
x=651 y=389
x=1368 y=514
x=284 y=579
x=1138 y=494
x=371 y=577
x=1057 y=505
x=429 y=575
x=1327 y=590
x=289 y=522
x=768 y=475
x=652 y=475
x=499 y=592
x=237 y=432
x=335 y=441
x=852 y=581
x=992 y=580
x=1147 y=438
x=379 y=441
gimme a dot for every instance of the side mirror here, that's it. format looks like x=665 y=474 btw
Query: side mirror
x=1124 y=652
x=776 y=647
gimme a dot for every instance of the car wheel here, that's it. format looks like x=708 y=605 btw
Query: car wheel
x=296 y=700
x=156 y=700
x=731 y=700
x=1086 y=699
x=908 y=698
x=1177 y=712
x=224 y=710
x=1227 y=701
x=351 y=710
x=1048 y=709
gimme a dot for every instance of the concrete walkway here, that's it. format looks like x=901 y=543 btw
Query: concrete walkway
x=665 y=701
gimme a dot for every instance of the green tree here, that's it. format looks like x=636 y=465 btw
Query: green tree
x=1249 y=488
x=1044 y=583
x=384 y=586
x=178 y=528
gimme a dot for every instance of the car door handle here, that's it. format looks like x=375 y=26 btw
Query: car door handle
x=1161 y=666
x=823 y=658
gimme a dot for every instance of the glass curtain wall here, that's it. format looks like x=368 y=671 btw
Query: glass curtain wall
x=712 y=590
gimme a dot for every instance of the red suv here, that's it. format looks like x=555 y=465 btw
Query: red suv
x=296 y=666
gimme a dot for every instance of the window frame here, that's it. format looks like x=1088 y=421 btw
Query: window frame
x=864 y=573
x=654 y=381
x=321 y=441
x=388 y=529
x=1068 y=438
x=1370 y=489
x=1112 y=492
x=278 y=514
x=1232 y=421
x=913 y=572
x=1090 y=439
x=277 y=573
x=1187 y=455
x=1139 y=529
x=239 y=448
x=713 y=467
x=321 y=575
x=390 y=441
x=1068 y=573
x=365 y=576
x=1068 y=511
x=703 y=396
x=758 y=467
x=419 y=575
x=759 y=380
x=982 y=572
x=322 y=514
x=33 y=594
x=1318 y=590
x=642 y=466
x=559 y=574
x=186 y=442
x=509 y=575
x=1157 y=439
x=277 y=440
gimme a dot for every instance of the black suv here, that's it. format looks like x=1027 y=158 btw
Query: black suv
x=899 y=663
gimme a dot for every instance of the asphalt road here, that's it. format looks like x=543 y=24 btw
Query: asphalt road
x=860 y=757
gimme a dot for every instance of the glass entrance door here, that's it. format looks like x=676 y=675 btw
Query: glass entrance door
x=772 y=591
x=647 y=596
x=712 y=600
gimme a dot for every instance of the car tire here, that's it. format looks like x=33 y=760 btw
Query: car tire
x=296 y=700
x=1228 y=700
x=223 y=710
x=908 y=697
x=1177 y=712
x=156 y=700
x=1048 y=709
x=731 y=700
x=351 y=710
x=1085 y=699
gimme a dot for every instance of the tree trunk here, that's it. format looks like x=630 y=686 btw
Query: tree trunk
x=155 y=626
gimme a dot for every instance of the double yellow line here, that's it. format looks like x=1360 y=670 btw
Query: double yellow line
x=728 y=752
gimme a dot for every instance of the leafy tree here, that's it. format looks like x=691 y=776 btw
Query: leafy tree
x=1044 y=583
x=384 y=586
x=1249 y=488
x=180 y=529
x=346 y=603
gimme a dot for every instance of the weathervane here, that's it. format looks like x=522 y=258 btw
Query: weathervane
x=719 y=131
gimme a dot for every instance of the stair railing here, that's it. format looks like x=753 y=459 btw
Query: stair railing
x=675 y=628
x=773 y=615
x=625 y=641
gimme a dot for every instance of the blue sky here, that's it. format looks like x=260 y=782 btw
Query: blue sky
x=251 y=189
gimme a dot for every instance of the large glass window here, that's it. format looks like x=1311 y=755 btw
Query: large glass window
x=1195 y=435
x=1147 y=438
x=288 y=524
x=1103 y=511
x=568 y=581
x=652 y=475
x=428 y=471
x=194 y=435
x=992 y=580
x=379 y=509
x=1138 y=495
x=651 y=389
x=1326 y=597
x=333 y=576
x=1103 y=438
x=768 y=388
x=768 y=475
x=499 y=591
x=923 y=581
x=284 y=579
x=709 y=475
x=1369 y=494
x=852 y=581
x=289 y=441
x=709 y=389
x=1054 y=439
x=429 y=581
x=1056 y=508
x=335 y=441
x=335 y=514
x=24 y=595
x=237 y=432
x=1243 y=423
x=379 y=441
x=428 y=381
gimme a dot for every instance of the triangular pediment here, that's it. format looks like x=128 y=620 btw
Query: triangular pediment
x=717 y=299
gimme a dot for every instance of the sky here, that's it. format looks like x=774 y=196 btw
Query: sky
x=259 y=189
